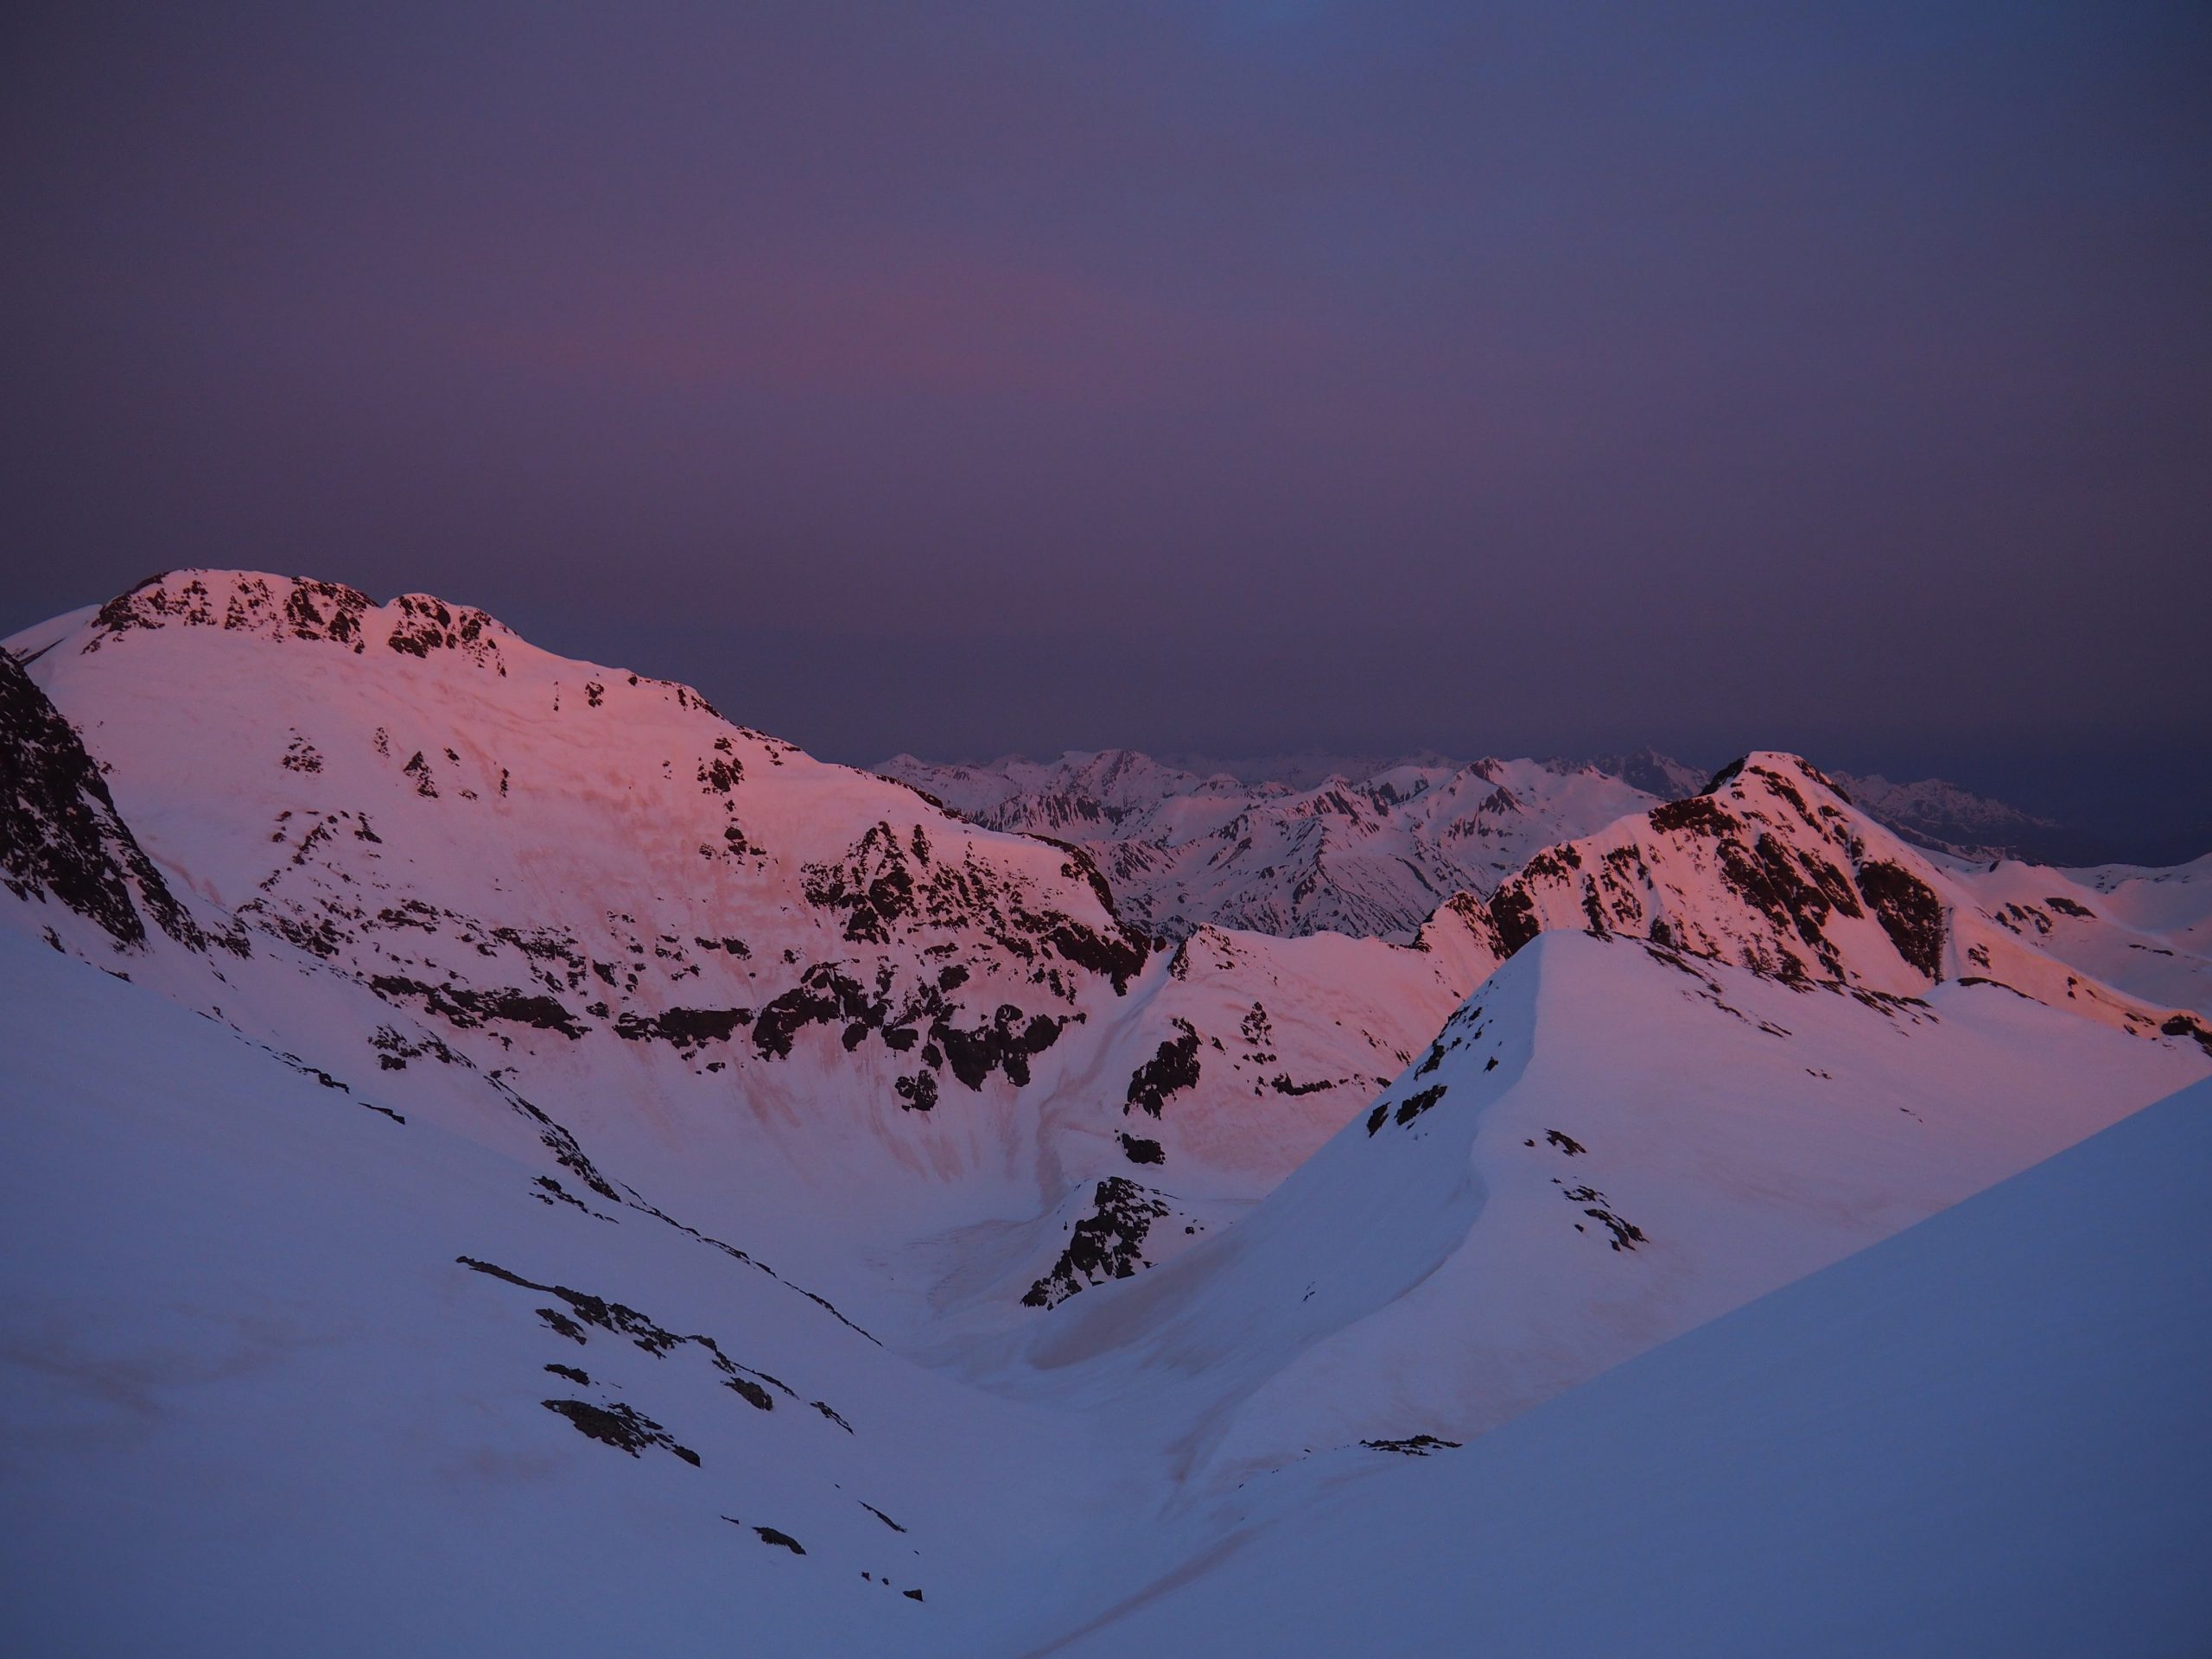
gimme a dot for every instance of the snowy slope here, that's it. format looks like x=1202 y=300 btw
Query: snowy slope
x=2145 y=932
x=273 y=1386
x=1370 y=853
x=805 y=998
x=1983 y=1437
x=1610 y=1144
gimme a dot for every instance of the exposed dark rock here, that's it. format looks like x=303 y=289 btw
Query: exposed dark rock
x=620 y=1427
x=625 y=1321
x=1006 y=1044
x=1910 y=913
x=2188 y=1025
x=1413 y=1105
x=1121 y=959
x=1513 y=917
x=1173 y=1068
x=751 y=1392
x=562 y=1324
x=916 y=1093
x=1108 y=1244
x=1724 y=775
x=1142 y=1151
x=684 y=1028
x=462 y=1007
x=1626 y=1235
x=61 y=835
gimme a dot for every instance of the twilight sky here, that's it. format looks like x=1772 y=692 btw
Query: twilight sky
x=1238 y=377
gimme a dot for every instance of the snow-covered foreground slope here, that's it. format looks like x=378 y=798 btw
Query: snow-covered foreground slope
x=275 y=1384
x=1610 y=1144
x=1373 y=853
x=1984 y=1436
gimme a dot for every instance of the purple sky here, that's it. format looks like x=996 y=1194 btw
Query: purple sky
x=1236 y=377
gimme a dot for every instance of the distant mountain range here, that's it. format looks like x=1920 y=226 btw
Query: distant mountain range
x=1293 y=845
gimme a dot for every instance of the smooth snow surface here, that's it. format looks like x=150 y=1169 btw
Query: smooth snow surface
x=1984 y=1436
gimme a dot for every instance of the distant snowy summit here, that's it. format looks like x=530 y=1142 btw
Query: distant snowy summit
x=1293 y=845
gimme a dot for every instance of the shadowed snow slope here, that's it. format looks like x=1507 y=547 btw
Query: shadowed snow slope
x=282 y=1375
x=1985 y=1436
x=1609 y=1144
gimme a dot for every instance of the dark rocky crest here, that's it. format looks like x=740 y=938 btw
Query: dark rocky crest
x=61 y=836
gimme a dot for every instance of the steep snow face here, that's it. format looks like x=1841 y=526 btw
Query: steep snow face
x=1370 y=855
x=1609 y=1144
x=1984 y=1436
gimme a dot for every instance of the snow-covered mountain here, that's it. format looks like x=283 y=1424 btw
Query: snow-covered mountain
x=1368 y=847
x=588 y=889
x=545 y=1167
x=1658 y=775
x=1373 y=852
